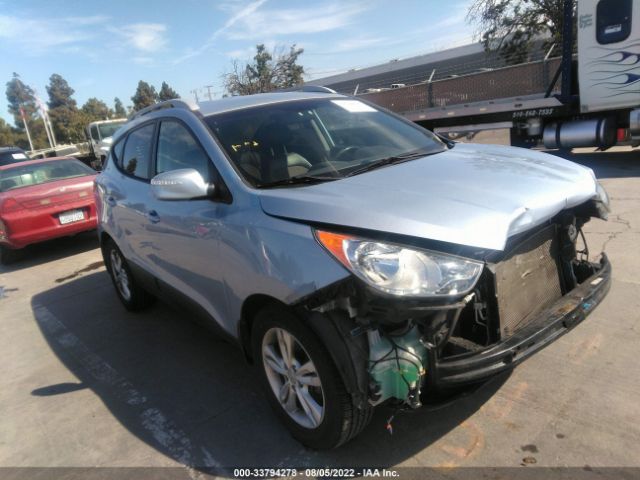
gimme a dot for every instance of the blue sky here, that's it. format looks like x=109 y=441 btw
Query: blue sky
x=104 y=48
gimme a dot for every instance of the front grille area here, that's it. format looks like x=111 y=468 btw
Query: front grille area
x=527 y=280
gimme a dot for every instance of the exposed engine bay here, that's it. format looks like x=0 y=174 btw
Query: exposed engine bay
x=399 y=349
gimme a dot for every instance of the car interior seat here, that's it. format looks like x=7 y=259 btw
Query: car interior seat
x=276 y=162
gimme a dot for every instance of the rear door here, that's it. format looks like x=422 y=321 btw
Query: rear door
x=127 y=194
x=184 y=233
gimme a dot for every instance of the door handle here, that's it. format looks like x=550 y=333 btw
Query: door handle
x=111 y=201
x=153 y=216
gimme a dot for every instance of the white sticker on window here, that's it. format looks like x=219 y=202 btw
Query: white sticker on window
x=354 y=106
x=19 y=156
x=613 y=29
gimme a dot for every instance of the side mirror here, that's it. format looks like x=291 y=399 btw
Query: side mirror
x=182 y=184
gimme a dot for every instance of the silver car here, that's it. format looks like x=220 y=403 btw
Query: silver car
x=356 y=258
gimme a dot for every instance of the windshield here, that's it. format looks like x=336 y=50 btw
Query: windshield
x=38 y=173
x=108 y=129
x=319 y=138
x=12 y=156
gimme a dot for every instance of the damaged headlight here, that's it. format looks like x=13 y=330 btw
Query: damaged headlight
x=400 y=270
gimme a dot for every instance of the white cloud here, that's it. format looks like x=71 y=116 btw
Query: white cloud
x=248 y=21
x=146 y=37
x=238 y=12
x=36 y=36
x=281 y=22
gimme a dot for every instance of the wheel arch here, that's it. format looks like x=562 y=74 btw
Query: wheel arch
x=331 y=329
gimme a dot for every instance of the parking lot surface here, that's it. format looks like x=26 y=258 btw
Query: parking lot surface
x=86 y=383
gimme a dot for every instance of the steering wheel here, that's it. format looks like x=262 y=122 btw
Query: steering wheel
x=350 y=150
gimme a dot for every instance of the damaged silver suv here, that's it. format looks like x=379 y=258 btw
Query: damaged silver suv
x=355 y=257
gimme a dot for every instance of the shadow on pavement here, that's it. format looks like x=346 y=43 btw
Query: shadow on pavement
x=52 y=250
x=192 y=397
x=606 y=164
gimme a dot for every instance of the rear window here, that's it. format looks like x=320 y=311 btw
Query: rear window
x=38 y=173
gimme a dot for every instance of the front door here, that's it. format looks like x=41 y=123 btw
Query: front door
x=185 y=232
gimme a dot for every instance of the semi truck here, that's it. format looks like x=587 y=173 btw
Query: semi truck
x=588 y=99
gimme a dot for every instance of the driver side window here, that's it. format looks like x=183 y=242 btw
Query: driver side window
x=178 y=149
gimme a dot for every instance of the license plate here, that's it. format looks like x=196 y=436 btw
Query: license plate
x=71 y=216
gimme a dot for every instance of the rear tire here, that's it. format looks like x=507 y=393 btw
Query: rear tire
x=313 y=402
x=129 y=291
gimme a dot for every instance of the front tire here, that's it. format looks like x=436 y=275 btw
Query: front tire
x=8 y=255
x=130 y=293
x=302 y=382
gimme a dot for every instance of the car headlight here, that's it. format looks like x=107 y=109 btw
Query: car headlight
x=400 y=270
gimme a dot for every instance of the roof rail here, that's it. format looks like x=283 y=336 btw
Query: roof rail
x=174 y=103
x=308 y=88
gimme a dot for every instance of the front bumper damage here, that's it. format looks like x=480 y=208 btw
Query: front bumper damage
x=549 y=325
x=390 y=348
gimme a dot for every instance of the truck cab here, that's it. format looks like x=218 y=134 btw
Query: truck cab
x=100 y=135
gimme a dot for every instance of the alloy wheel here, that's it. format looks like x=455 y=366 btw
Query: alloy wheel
x=120 y=276
x=293 y=377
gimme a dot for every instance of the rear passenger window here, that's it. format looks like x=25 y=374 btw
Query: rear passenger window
x=136 y=159
x=178 y=149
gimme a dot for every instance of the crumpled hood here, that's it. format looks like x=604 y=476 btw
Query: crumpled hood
x=475 y=195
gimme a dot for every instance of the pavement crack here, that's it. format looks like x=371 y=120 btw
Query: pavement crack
x=613 y=235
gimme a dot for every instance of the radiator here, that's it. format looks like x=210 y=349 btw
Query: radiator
x=527 y=280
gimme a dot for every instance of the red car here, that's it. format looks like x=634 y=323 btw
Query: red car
x=44 y=199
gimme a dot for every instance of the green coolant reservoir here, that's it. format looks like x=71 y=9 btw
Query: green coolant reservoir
x=388 y=364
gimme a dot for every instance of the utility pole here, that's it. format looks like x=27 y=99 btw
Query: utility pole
x=26 y=127
x=22 y=114
x=195 y=94
x=209 y=87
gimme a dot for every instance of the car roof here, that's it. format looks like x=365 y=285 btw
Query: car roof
x=10 y=149
x=33 y=162
x=227 y=104
x=222 y=105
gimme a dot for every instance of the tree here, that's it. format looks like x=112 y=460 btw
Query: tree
x=510 y=26
x=118 y=109
x=63 y=110
x=266 y=73
x=145 y=96
x=167 y=93
x=20 y=96
x=7 y=136
x=96 y=109
x=60 y=93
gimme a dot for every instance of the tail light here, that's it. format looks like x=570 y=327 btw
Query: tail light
x=10 y=205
